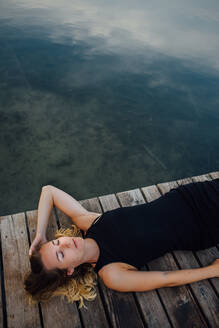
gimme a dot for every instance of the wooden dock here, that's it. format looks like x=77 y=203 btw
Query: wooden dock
x=192 y=305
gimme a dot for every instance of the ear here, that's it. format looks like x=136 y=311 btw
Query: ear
x=70 y=271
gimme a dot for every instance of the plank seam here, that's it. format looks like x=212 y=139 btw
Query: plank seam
x=29 y=242
x=117 y=198
x=104 y=304
x=193 y=295
x=212 y=285
x=139 y=310
x=80 y=315
x=164 y=308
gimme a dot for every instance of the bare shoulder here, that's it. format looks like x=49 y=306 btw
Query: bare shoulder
x=87 y=220
x=113 y=271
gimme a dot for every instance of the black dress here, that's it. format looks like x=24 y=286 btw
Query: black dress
x=185 y=218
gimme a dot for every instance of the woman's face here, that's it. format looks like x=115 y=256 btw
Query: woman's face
x=63 y=253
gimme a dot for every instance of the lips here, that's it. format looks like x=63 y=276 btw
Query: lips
x=75 y=243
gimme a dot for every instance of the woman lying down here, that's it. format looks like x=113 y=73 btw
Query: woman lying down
x=119 y=242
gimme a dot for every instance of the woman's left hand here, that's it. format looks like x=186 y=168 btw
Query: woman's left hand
x=38 y=240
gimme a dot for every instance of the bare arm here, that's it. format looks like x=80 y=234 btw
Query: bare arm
x=52 y=196
x=138 y=281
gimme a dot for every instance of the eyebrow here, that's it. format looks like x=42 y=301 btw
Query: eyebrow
x=56 y=253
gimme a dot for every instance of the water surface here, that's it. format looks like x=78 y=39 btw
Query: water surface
x=98 y=97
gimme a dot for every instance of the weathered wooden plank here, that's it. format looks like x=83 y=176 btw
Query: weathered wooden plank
x=16 y=264
x=203 y=177
x=206 y=257
x=204 y=294
x=178 y=301
x=56 y=312
x=214 y=175
x=149 y=302
x=95 y=313
x=119 y=304
x=202 y=290
x=151 y=193
x=162 y=187
x=184 y=181
x=114 y=302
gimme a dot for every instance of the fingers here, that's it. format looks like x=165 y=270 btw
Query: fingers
x=37 y=242
x=32 y=247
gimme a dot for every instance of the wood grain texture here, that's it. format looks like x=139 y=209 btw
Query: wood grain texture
x=214 y=175
x=193 y=305
x=16 y=264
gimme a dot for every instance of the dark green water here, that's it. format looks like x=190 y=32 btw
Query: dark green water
x=98 y=97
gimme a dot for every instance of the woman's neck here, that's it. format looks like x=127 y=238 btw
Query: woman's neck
x=92 y=251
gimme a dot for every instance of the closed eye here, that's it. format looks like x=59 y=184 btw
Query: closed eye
x=62 y=254
x=58 y=244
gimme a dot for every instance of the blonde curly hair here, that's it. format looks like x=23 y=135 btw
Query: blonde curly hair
x=41 y=284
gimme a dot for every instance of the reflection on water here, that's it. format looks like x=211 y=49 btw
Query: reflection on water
x=97 y=98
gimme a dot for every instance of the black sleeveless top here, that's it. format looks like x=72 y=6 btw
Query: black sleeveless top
x=185 y=218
